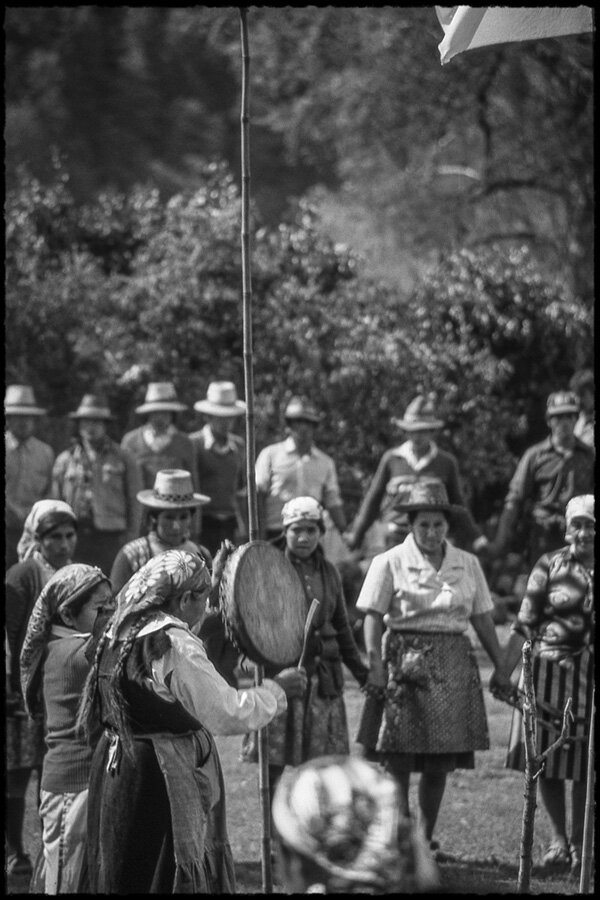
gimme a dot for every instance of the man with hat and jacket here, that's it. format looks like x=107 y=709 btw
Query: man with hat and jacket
x=548 y=475
x=100 y=481
x=158 y=444
x=295 y=467
x=417 y=459
x=28 y=464
x=221 y=465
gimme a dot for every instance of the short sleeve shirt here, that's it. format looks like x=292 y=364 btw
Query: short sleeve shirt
x=402 y=584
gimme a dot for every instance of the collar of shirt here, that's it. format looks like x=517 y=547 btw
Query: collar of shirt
x=416 y=462
x=10 y=441
x=210 y=442
x=63 y=631
x=290 y=447
x=156 y=441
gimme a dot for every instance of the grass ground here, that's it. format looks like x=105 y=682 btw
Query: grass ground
x=479 y=825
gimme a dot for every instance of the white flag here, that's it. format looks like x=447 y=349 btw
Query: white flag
x=467 y=27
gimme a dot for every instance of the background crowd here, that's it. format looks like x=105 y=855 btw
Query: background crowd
x=133 y=532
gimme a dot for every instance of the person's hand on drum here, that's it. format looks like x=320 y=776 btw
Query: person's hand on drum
x=293 y=681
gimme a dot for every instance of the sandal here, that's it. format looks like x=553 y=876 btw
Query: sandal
x=575 y=860
x=557 y=856
x=18 y=864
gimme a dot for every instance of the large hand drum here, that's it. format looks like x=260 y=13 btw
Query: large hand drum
x=264 y=605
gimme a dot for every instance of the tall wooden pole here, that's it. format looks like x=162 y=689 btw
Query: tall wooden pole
x=263 y=744
x=588 y=822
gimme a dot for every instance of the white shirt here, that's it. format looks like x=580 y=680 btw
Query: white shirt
x=195 y=682
x=403 y=584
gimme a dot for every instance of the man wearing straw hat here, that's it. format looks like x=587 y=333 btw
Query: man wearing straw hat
x=28 y=464
x=221 y=465
x=417 y=459
x=158 y=444
x=100 y=481
x=295 y=467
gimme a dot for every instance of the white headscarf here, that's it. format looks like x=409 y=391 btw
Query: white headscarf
x=43 y=517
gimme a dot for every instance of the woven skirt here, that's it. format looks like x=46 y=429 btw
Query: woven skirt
x=433 y=700
x=553 y=684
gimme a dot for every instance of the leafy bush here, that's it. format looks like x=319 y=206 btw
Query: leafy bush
x=131 y=288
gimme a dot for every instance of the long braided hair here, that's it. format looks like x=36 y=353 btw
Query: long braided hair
x=162 y=579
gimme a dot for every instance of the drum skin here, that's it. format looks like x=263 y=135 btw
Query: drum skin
x=263 y=603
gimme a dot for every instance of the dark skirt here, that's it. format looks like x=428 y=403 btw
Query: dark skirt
x=553 y=684
x=131 y=829
x=433 y=714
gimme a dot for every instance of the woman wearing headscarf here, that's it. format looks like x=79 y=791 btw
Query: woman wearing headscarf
x=341 y=831
x=46 y=545
x=424 y=711
x=318 y=725
x=156 y=820
x=557 y=616
x=55 y=660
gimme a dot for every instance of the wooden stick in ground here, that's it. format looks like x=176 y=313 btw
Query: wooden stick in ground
x=534 y=764
x=263 y=743
x=588 y=822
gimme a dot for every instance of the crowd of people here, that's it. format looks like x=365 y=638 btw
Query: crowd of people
x=121 y=667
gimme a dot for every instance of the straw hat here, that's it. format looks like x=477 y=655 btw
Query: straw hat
x=19 y=400
x=562 y=403
x=221 y=400
x=172 y=489
x=419 y=416
x=92 y=406
x=160 y=397
x=300 y=409
x=427 y=496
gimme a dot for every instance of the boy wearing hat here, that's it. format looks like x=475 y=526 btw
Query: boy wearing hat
x=100 y=481
x=221 y=465
x=158 y=443
x=295 y=467
x=417 y=459
x=28 y=464
x=547 y=476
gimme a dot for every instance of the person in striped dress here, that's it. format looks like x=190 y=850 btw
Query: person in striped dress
x=557 y=615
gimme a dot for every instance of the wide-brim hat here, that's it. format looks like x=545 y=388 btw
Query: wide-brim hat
x=160 y=397
x=562 y=403
x=221 y=400
x=300 y=409
x=172 y=489
x=92 y=406
x=427 y=496
x=19 y=400
x=419 y=416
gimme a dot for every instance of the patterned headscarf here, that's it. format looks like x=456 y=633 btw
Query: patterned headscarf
x=161 y=578
x=43 y=517
x=342 y=813
x=66 y=586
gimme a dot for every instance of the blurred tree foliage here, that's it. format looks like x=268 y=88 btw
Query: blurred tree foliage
x=410 y=159
x=129 y=288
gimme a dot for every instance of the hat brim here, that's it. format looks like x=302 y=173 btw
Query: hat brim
x=563 y=411
x=24 y=411
x=167 y=406
x=216 y=409
x=451 y=509
x=91 y=413
x=314 y=420
x=433 y=425
x=147 y=498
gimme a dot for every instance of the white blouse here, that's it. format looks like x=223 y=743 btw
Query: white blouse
x=405 y=587
x=185 y=673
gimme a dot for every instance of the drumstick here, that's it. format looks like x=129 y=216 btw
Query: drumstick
x=309 y=618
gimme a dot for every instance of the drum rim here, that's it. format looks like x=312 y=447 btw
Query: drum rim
x=240 y=636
